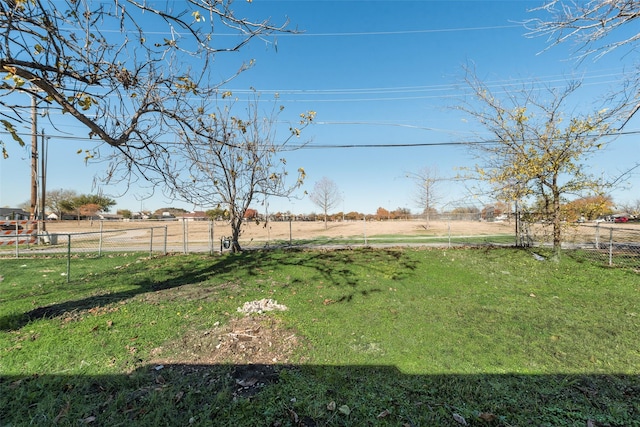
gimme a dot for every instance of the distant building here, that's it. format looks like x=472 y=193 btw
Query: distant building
x=195 y=216
x=13 y=214
x=110 y=217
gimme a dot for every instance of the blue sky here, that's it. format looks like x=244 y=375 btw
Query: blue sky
x=376 y=73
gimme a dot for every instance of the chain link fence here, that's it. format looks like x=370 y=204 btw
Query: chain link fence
x=608 y=244
x=147 y=240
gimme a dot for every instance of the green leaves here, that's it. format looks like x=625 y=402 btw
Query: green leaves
x=8 y=127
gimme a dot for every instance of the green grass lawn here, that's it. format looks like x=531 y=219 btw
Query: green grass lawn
x=486 y=337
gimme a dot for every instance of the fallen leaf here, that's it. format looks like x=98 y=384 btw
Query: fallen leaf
x=345 y=409
x=178 y=397
x=383 y=413
x=331 y=406
x=487 y=416
x=460 y=419
x=89 y=420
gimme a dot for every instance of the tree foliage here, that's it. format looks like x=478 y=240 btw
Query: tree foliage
x=216 y=213
x=56 y=200
x=127 y=70
x=233 y=159
x=87 y=204
x=587 y=208
x=326 y=196
x=536 y=151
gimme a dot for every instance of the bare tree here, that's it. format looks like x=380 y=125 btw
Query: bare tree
x=632 y=208
x=232 y=160
x=426 y=197
x=127 y=70
x=533 y=152
x=326 y=196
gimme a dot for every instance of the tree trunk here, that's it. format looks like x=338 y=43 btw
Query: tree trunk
x=557 y=224
x=325 y=219
x=236 y=225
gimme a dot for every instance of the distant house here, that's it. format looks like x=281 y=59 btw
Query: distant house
x=250 y=214
x=195 y=216
x=13 y=214
x=110 y=217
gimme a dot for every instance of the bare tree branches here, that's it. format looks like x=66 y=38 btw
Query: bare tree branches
x=426 y=181
x=326 y=196
x=232 y=159
x=594 y=24
x=126 y=70
x=599 y=27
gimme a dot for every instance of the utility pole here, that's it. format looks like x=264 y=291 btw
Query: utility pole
x=43 y=180
x=34 y=158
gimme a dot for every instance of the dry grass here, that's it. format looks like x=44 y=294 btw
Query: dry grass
x=198 y=230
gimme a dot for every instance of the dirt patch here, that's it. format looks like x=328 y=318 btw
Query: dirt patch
x=257 y=346
x=254 y=339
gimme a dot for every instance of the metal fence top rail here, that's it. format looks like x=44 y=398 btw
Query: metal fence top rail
x=120 y=230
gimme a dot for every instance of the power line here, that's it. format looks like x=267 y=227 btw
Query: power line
x=332 y=146
x=338 y=34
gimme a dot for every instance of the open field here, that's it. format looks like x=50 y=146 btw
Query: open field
x=298 y=229
x=197 y=233
x=313 y=229
x=394 y=337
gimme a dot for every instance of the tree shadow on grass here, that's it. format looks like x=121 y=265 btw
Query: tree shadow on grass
x=317 y=395
x=338 y=268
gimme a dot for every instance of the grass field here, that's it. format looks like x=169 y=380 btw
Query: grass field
x=486 y=337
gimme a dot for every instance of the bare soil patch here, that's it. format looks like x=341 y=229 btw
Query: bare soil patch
x=257 y=346
x=253 y=339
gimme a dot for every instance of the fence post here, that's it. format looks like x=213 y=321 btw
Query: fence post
x=610 y=247
x=290 y=233
x=185 y=235
x=68 y=257
x=211 y=236
x=151 y=244
x=165 y=240
x=364 y=221
x=598 y=236
x=100 y=240
x=17 y=239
